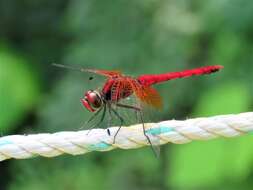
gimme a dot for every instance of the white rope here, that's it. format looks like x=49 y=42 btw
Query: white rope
x=80 y=142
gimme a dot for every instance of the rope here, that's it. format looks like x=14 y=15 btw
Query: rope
x=80 y=142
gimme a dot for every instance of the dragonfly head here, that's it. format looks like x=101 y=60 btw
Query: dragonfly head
x=92 y=100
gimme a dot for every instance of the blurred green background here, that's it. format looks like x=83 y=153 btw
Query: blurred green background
x=137 y=37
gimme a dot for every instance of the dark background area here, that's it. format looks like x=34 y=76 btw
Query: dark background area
x=137 y=37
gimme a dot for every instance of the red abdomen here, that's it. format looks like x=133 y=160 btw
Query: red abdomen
x=154 y=79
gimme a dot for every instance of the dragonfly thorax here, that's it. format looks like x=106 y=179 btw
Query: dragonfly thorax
x=92 y=100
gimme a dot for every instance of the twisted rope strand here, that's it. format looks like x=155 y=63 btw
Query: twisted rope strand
x=80 y=142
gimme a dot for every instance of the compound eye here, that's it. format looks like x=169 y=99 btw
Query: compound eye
x=87 y=105
x=88 y=93
x=95 y=100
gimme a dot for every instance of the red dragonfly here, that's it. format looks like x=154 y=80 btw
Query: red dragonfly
x=119 y=86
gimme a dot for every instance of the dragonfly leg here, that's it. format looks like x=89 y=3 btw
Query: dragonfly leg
x=91 y=118
x=138 y=110
x=109 y=121
x=101 y=119
x=128 y=107
x=121 y=123
x=149 y=141
x=135 y=108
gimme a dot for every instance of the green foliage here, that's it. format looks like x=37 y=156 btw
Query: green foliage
x=225 y=98
x=210 y=163
x=19 y=89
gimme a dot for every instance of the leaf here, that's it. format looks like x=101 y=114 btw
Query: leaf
x=19 y=89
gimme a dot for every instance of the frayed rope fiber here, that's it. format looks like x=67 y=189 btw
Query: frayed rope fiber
x=80 y=142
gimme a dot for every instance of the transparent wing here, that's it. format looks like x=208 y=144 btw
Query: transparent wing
x=150 y=97
x=147 y=94
x=142 y=96
x=106 y=73
x=124 y=87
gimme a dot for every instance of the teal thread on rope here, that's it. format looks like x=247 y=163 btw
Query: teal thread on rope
x=160 y=130
x=99 y=146
x=5 y=142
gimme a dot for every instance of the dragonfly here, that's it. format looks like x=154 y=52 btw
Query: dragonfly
x=118 y=86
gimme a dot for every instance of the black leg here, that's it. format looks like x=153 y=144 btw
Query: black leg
x=110 y=120
x=121 y=123
x=92 y=117
x=101 y=119
x=149 y=141
x=128 y=107
x=138 y=110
